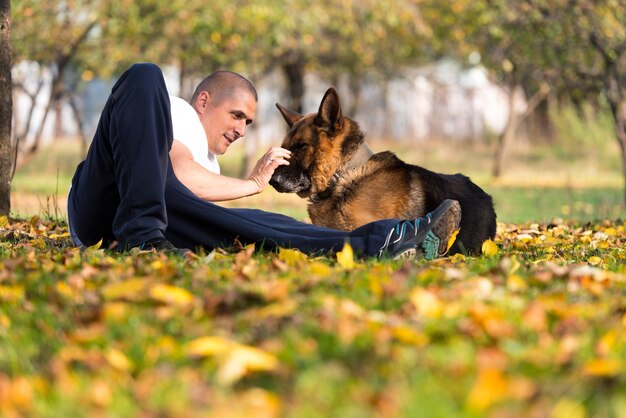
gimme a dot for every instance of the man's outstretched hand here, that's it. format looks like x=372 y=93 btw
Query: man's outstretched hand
x=264 y=168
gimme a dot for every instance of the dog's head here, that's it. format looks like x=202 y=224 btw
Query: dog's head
x=319 y=143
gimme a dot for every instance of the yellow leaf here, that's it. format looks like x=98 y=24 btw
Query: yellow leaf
x=275 y=310
x=603 y=367
x=208 y=346
x=157 y=264
x=489 y=248
x=345 y=257
x=427 y=303
x=244 y=359
x=594 y=261
x=115 y=311
x=11 y=293
x=96 y=246
x=452 y=239
x=100 y=393
x=490 y=387
x=320 y=269
x=515 y=283
x=457 y=258
x=568 y=408
x=131 y=289
x=408 y=335
x=5 y=321
x=291 y=257
x=38 y=243
x=171 y=295
x=4 y=221
x=66 y=290
x=20 y=392
x=118 y=360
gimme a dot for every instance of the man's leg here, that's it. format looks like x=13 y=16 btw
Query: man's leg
x=118 y=191
x=194 y=223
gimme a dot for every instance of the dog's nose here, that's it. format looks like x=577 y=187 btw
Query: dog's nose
x=279 y=181
x=284 y=181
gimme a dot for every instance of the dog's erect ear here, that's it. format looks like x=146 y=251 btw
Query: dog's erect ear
x=329 y=113
x=290 y=116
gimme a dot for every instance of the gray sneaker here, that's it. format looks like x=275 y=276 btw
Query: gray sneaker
x=429 y=236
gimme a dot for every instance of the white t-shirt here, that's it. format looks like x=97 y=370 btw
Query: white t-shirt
x=189 y=131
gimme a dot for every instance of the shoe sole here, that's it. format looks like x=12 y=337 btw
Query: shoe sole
x=441 y=234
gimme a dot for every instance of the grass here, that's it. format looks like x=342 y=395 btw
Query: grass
x=534 y=327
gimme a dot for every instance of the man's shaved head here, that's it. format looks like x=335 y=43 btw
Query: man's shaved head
x=222 y=84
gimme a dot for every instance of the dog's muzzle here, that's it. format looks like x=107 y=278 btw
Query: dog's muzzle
x=290 y=179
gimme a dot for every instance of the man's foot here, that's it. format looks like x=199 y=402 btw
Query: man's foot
x=429 y=236
x=161 y=244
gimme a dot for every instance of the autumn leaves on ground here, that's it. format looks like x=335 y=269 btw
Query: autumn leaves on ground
x=534 y=327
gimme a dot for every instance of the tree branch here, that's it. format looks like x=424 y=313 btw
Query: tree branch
x=536 y=99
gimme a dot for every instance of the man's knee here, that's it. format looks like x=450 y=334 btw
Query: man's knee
x=142 y=78
x=146 y=73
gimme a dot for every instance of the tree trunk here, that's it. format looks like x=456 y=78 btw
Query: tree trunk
x=540 y=126
x=79 y=119
x=56 y=93
x=618 y=111
x=6 y=107
x=507 y=137
x=354 y=83
x=294 y=71
x=59 y=129
x=21 y=134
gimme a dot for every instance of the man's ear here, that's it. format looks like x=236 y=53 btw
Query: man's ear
x=202 y=101
x=329 y=114
x=290 y=116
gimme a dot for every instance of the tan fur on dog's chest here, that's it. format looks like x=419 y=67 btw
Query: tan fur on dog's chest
x=367 y=194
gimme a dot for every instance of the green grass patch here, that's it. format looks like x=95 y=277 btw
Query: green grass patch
x=536 y=328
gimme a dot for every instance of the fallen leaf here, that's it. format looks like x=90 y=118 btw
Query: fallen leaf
x=452 y=239
x=132 y=289
x=345 y=257
x=171 y=295
x=568 y=408
x=291 y=257
x=11 y=293
x=208 y=346
x=242 y=360
x=489 y=248
x=603 y=367
x=594 y=261
x=490 y=387
x=95 y=247
x=426 y=303
x=118 y=360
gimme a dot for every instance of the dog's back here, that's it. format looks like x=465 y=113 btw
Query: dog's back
x=478 y=219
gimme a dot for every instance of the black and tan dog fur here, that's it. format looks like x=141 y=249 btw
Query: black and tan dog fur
x=347 y=186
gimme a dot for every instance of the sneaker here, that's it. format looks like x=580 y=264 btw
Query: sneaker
x=430 y=236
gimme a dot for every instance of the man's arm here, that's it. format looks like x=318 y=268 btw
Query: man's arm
x=215 y=187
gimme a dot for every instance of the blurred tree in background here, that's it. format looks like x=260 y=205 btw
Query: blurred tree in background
x=6 y=107
x=572 y=50
x=593 y=35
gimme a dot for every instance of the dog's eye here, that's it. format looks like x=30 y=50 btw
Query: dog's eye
x=299 y=146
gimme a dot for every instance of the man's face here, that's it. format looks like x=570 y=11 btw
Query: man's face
x=227 y=121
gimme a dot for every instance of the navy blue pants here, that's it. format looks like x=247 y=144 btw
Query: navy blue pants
x=126 y=190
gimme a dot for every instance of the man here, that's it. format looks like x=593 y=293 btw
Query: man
x=151 y=174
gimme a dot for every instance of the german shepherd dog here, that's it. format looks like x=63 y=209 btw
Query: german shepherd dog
x=348 y=186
